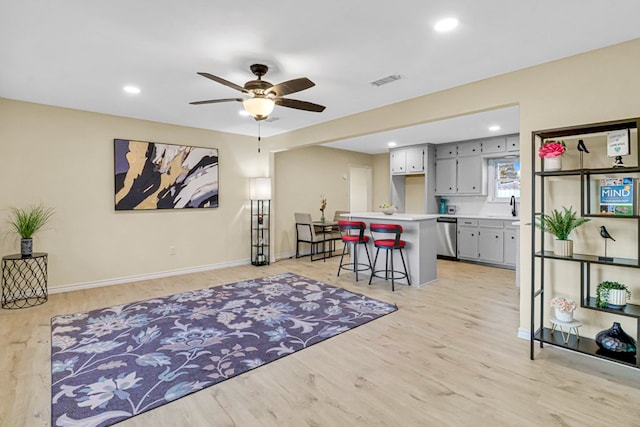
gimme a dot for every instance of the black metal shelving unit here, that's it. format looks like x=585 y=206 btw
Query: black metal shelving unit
x=540 y=333
x=260 y=219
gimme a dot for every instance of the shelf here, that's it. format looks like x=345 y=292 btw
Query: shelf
x=629 y=310
x=612 y=216
x=588 y=172
x=582 y=345
x=594 y=259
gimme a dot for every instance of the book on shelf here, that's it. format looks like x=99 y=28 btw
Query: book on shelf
x=617 y=196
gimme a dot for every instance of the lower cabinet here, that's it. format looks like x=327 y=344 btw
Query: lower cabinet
x=491 y=241
x=468 y=242
x=510 y=246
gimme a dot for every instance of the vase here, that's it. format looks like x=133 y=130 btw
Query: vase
x=616 y=340
x=563 y=316
x=563 y=247
x=617 y=298
x=552 y=163
x=26 y=247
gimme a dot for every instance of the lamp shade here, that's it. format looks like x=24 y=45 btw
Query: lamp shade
x=260 y=188
x=259 y=107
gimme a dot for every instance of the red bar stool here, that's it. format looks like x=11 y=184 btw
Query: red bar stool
x=378 y=232
x=353 y=235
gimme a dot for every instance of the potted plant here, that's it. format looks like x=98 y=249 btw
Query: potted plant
x=26 y=222
x=551 y=154
x=612 y=295
x=563 y=308
x=561 y=224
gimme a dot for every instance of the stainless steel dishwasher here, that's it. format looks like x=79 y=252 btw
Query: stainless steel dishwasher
x=447 y=238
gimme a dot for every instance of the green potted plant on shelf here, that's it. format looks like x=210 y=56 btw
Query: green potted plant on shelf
x=561 y=224
x=612 y=294
x=26 y=222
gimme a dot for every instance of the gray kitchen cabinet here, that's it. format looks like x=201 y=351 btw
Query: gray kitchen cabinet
x=495 y=145
x=510 y=246
x=468 y=243
x=446 y=151
x=490 y=245
x=415 y=160
x=406 y=161
x=471 y=176
x=469 y=148
x=513 y=143
x=446 y=177
x=398 y=162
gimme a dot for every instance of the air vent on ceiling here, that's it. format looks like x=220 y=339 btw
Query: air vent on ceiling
x=386 y=80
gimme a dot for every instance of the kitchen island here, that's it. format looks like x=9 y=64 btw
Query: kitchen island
x=419 y=233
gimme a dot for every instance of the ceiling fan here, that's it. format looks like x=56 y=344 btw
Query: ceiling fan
x=263 y=96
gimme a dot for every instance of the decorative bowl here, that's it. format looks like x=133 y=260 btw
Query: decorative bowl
x=388 y=211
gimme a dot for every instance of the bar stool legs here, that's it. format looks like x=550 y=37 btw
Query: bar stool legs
x=388 y=245
x=354 y=265
x=353 y=235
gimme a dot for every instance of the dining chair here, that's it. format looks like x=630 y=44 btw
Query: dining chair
x=307 y=233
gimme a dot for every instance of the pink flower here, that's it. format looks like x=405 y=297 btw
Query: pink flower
x=551 y=149
x=563 y=304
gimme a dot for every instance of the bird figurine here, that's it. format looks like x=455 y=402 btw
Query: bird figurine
x=582 y=147
x=604 y=233
x=606 y=236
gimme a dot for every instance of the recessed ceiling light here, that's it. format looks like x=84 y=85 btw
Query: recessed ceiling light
x=494 y=128
x=391 y=144
x=446 y=24
x=131 y=89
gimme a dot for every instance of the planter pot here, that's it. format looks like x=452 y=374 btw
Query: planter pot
x=617 y=298
x=552 y=163
x=563 y=247
x=563 y=316
x=26 y=247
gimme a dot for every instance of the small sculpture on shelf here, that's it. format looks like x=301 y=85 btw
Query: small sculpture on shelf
x=606 y=236
x=582 y=149
x=617 y=341
x=323 y=206
x=617 y=163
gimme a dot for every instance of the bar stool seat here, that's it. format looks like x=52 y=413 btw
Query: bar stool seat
x=352 y=236
x=381 y=240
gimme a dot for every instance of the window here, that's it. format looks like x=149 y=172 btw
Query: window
x=504 y=180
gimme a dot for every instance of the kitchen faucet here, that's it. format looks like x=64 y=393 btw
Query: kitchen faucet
x=513 y=206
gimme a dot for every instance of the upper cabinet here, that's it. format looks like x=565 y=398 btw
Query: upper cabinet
x=513 y=143
x=406 y=161
x=494 y=145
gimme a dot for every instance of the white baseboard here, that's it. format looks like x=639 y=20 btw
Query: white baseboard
x=525 y=334
x=140 y=277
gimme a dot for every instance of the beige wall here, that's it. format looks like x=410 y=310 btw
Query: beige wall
x=64 y=159
x=89 y=241
x=301 y=176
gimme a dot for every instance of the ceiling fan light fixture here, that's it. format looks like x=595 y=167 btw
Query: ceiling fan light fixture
x=259 y=107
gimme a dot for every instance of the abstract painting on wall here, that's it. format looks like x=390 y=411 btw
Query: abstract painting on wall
x=149 y=175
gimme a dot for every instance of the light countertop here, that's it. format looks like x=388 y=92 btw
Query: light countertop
x=394 y=217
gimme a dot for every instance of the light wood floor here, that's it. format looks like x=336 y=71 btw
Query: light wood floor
x=448 y=357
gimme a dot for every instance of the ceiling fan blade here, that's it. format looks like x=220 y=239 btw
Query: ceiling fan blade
x=224 y=82
x=291 y=86
x=215 y=101
x=300 y=105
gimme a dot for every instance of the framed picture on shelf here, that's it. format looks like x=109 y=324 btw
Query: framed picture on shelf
x=618 y=143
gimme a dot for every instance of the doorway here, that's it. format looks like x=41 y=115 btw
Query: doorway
x=360 y=192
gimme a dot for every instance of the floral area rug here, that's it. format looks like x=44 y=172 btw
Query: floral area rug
x=111 y=364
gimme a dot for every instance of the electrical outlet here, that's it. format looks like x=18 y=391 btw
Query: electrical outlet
x=172 y=250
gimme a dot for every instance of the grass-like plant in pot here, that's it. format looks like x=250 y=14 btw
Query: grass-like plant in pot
x=27 y=222
x=611 y=294
x=561 y=224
